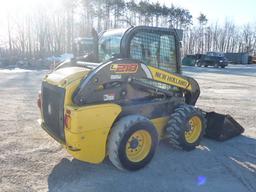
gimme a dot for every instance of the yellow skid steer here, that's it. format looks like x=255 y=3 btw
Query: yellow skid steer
x=122 y=98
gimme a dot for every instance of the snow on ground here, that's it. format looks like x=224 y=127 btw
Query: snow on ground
x=32 y=161
x=61 y=58
x=15 y=70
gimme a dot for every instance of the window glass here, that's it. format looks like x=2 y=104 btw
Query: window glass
x=167 y=59
x=108 y=47
x=109 y=44
x=144 y=47
x=157 y=50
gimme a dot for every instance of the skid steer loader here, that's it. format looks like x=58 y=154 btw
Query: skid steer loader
x=122 y=99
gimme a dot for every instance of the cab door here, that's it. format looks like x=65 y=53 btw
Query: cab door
x=156 y=47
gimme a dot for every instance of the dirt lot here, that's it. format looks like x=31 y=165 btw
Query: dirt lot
x=32 y=161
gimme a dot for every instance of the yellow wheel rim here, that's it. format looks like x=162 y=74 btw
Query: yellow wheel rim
x=195 y=130
x=138 y=146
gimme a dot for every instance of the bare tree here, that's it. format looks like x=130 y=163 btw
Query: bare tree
x=51 y=32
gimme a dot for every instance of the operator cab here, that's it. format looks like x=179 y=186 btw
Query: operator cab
x=109 y=44
x=83 y=46
x=153 y=46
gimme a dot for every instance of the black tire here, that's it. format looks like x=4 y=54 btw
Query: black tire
x=205 y=65
x=178 y=125
x=223 y=67
x=120 y=134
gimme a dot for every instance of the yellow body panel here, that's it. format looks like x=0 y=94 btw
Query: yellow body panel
x=169 y=78
x=90 y=127
x=87 y=138
x=160 y=124
x=70 y=88
x=64 y=76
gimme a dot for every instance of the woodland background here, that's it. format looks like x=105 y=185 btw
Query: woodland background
x=46 y=32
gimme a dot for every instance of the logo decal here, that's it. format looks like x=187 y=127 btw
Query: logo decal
x=124 y=68
x=115 y=77
x=109 y=97
x=170 y=78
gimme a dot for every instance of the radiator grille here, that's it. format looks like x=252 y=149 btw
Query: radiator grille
x=53 y=109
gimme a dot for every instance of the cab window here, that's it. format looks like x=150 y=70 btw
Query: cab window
x=167 y=58
x=157 y=50
x=109 y=46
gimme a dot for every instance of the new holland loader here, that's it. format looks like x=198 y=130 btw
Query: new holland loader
x=122 y=98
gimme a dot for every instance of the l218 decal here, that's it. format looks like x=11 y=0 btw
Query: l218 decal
x=124 y=68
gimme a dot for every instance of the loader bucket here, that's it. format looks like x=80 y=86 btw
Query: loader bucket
x=222 y=127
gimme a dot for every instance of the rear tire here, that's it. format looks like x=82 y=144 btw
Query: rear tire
x=132 y=142
x=186 y=127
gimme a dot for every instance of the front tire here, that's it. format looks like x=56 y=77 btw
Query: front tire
x=132 y=142
x=186 y=127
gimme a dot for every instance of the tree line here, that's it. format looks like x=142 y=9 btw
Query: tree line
x=51 y=31
x=226 y=37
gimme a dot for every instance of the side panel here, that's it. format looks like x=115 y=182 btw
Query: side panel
x=110 y=83
x=188 y=84
x=70 y=88
x=87 y=136
x=160 y=124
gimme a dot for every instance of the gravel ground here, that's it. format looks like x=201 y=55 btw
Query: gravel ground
x=32 y=161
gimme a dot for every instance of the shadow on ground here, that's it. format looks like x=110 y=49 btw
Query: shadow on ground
x=170 y=170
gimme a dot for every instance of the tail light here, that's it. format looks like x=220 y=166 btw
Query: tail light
x=67 y=119
x=39 y=100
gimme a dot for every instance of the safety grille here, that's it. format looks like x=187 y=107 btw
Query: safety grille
x=53 y=109
x=154 y=49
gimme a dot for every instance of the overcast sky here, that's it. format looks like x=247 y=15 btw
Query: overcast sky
x=239 y=11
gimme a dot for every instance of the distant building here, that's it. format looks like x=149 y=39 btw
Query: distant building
x=216 y=54
x=238 y=58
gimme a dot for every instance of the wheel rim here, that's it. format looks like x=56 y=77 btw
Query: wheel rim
x=138 y=146
x=195 y=129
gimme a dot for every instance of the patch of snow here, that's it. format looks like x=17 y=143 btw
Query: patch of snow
x=61 y=58
x=15 y=70
x=66 y=56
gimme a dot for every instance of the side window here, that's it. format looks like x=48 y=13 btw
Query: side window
x=108 y=47
x=167 y=59
x=157 y=50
